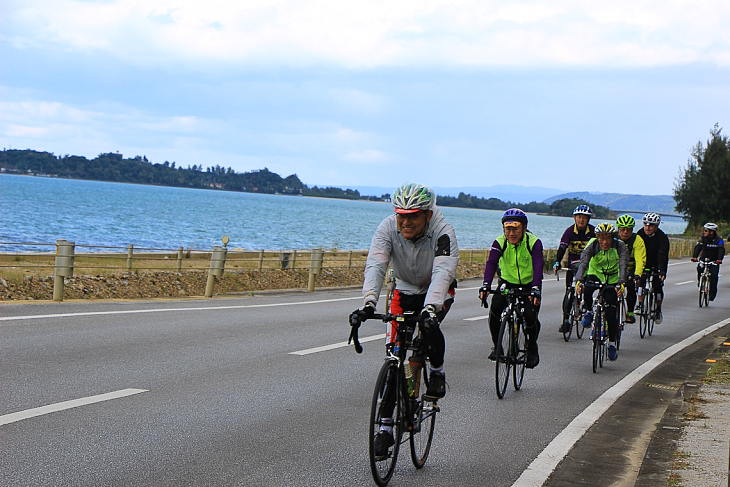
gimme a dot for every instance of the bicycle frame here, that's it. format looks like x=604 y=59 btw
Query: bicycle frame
x=704 y=284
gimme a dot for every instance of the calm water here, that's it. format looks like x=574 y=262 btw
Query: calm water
x=41 y=210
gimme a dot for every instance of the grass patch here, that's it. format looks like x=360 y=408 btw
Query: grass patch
x=719 y=373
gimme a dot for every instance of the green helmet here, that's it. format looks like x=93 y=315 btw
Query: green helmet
x=625 y=221
x=413 y=197
x=605 y=228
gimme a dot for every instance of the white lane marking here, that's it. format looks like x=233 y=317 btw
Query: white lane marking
x=60 y=406
x=336 y=345
x=682 y=283
x=163 y=310
x=476 y=318
x=540 y=469
x=680 y=263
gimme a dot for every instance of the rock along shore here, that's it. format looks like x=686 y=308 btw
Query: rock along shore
x=149 y=285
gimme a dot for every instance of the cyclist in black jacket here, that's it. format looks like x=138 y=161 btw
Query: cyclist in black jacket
x=657 y=257
x=710 y=247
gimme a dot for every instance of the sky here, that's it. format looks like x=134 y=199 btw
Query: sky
x=564 y=94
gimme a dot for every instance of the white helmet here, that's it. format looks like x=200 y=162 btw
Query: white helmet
x=413 y=197
x=652 y=218
x=711 y=226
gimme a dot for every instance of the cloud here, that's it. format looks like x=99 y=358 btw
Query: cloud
x=381 y=33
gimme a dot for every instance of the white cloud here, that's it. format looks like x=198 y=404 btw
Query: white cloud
x=381 y=33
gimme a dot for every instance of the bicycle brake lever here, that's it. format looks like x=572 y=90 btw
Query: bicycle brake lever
x=354 y=338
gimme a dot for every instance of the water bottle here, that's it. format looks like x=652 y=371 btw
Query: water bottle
x=413 y=375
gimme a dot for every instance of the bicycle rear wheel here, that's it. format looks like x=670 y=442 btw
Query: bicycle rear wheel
x=504 y=360
x=520 y=349
x=621 y=322
x=424 y=420
x=385 y=410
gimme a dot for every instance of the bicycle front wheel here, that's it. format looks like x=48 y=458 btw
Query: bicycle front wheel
x=567 y=333
x=621 y=323
x=504 y=360
x=424 y=420
x=650 y=312
x=576 y=318
x=386 y=411
x=520 y=348
x=704 y=291
x=596 y=339
x=643 y=318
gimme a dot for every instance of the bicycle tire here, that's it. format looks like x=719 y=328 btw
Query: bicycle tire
x=642 y=318
x=569 y=331
x=621 y=322
x=577 y=318
x=651 y=313
x=520 y=348
x=424 y=420
x=382 y=467
x=707 y=291
x=596 y=339
x=504 y=360
x=704 y=291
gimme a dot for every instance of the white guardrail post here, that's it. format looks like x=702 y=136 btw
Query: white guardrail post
x=64 y=266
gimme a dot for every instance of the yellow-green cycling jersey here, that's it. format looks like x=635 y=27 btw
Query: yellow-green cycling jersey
x=637 y=254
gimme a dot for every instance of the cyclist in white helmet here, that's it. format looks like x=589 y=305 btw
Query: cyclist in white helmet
x=421 y=248
x=710 y=247
x=657 y=257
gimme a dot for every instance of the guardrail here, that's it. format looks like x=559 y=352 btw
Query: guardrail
x=65 y=258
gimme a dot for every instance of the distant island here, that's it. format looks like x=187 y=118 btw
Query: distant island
x=114 y=167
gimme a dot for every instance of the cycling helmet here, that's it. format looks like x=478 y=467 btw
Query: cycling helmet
x=605 y=228
x=514 y=215
x=651 y=218
x=711 y=226
x=413 y=197
x=625 y=221
x=583 y=210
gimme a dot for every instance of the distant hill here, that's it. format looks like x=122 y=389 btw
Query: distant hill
x=504 y=192
x=627 y=202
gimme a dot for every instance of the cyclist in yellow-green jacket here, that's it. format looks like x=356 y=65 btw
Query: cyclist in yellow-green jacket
x=637 y=261
x=604 y=260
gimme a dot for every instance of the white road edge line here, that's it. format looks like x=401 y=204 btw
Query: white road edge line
x=682 y=283
x=324 y=348
x=476 y=318
x=60 y=406
x=163 y=310
x=540 y=469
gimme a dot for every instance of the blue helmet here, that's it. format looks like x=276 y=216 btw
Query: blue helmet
x=515 y=215
x=583 y=210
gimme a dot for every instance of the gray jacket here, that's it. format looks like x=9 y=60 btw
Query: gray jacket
x=427 y=265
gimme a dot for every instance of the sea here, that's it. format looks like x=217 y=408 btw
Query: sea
x=36 y=211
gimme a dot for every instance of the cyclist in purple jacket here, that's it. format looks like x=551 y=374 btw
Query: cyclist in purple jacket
x=574 y=240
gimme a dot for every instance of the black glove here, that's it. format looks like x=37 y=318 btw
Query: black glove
x=483 y=293
x=429 y=319
x=536 y=293
x=362 y=314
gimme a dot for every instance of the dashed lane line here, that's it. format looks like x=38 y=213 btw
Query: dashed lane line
x=324 y=348
x=60 y=406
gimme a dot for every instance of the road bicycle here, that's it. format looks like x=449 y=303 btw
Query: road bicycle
x=402 y=385
x=511 y=348
x=705 y=282
x=599 y=331
x=576 y=313
x=647 y=308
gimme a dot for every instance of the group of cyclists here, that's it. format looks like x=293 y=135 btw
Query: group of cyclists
x=421 y=248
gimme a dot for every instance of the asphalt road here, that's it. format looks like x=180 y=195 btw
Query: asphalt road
x=230 y=392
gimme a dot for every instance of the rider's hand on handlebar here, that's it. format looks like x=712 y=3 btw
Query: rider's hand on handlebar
x=536 y=296
x=718 y=262
x=556 y=267
x=694 y=259
x=362 y=314
x=484 y=292
x=579 y=288
x=429 y=318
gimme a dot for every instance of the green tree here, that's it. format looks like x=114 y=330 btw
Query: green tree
x=701 y=191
